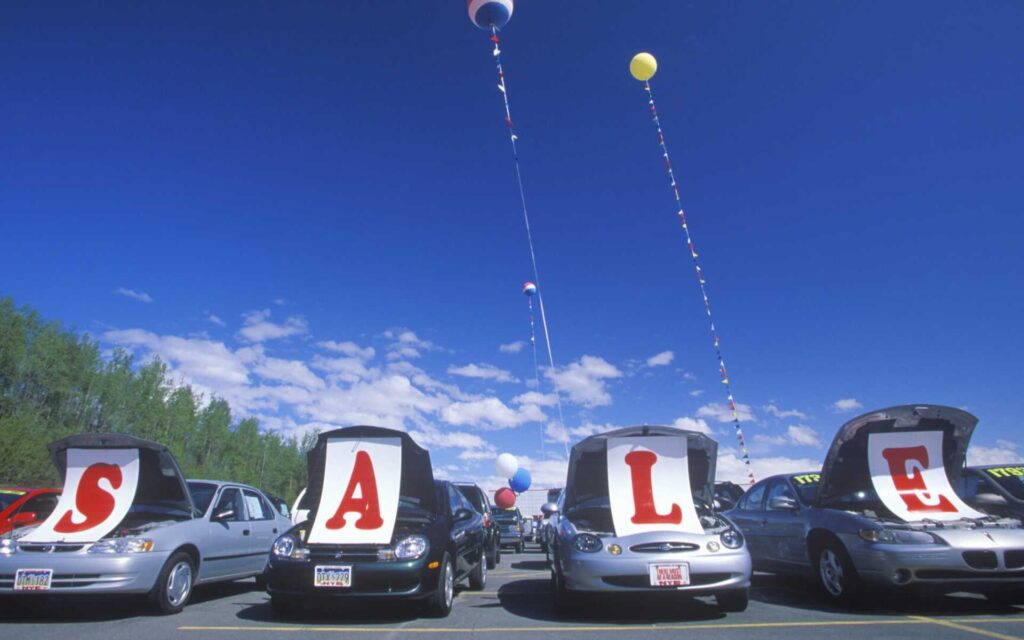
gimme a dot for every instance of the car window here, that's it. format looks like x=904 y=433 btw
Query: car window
x=1011 y=479
x=454 y=500
x=230 y=500
x=9 y=497
x=256 y=506
x=202 y=494
x=752 y=501
x=475 y=497
x=41 y=505
x=779 y=489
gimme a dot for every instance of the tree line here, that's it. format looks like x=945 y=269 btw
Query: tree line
x=55 y=382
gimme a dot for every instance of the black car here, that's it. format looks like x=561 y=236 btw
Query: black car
x=728 y=494
x=492 y=537
x=997 y=489
x=279 y=504
x=437 y=538
x=510 y=523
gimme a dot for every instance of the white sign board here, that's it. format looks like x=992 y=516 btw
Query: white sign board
x=359 y=499
x=649 y=485
x=98 y=490
x=908 y=474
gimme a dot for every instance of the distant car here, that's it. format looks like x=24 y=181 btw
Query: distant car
x=510 y=524
x=727 y=494
x=173 y=536
x=528 y=529
x=399 y=535
x=882 y=513
x=997 y=489
x=25 y=507
x=279 y=504
x=492 y=535
x=637 y=516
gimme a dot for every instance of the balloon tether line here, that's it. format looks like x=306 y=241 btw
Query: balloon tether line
x=536 y=368
x=745 y=454
x=529 y=233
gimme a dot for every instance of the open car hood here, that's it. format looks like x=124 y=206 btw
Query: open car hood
x=160 y=478
x=588 y=468
x=846 y=466
x=417 y=473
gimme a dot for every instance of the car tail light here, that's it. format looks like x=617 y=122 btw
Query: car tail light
x=487 y=519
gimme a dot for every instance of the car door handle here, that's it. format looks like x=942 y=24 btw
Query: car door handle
x=764 y=522
x=275 y=529
x=245 y=532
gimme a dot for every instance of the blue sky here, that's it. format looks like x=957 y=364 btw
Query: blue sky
x=315 y=206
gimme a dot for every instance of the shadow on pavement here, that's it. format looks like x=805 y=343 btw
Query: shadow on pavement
x=532 y=599
x=530 y=565
x=804 y=593
x=325 y=612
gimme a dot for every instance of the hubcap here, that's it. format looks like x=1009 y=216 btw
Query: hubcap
x=179 y=583
x=449 y=584
x=831 y=571
x=483 y=571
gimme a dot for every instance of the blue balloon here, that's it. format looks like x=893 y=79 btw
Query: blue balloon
x=520 y=480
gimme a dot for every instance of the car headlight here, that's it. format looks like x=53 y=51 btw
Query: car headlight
x=287 y=546
x=897 y=536
x=411 y=548
x=122 y=545
x=8 y=547
x=731 y=538
x=587 y=543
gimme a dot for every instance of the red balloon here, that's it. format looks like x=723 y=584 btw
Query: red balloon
x=505 y=498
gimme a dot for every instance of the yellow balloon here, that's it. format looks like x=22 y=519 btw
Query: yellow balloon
x=643 y=66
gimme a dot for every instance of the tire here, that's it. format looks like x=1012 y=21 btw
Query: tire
x=563 y=598
x=174 y=584
x=733 y=600
x=836 y=574
x=261 y=581
x=283 y=606
x=519 y=547
x=492 y=557
x=439 y=605
x=478 y=576
x=497 y=554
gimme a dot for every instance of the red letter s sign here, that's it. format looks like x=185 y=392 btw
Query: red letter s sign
x=92 y=501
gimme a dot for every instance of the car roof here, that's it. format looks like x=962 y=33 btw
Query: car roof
x=222 y=483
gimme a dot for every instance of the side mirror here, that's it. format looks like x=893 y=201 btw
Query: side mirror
x=989 y=500
x=461 y=515
x=23 y=518
x=549 y=509
x=227 y=514
x=782 y=503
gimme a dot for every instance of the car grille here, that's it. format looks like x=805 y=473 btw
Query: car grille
x=664 y=547
x=644 y=581
x=344 y=554
x=1014 y=559
x=49 y=548
x=981 y=559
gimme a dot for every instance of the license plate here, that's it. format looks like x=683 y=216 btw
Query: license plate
x=669 y=575
x=33 y=579
x=337 y=576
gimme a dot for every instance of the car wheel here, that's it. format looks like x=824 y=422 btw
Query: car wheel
x=261 y=581
x=563 y=598
x=519 y=547
x=734 y=600
x=497 y=554
x=478 y=577
x=835 y=572
x=440 y=603
x=283 y=606
x=174 y=584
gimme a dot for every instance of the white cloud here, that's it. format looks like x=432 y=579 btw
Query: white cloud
x=490 y=413
x=472 y=445
x=803 y=436
x=349 y=349
x=770 y=440
x=257 y=327
x=584 y=381
x=555 y=432
x=661 y=359
x=482 y=371
x=731 y=467
x=205 y=362
x=216 y=320
x=343 y=369
x=391 y=401
x=512 y=347
x=1004 y=452
x=279 y=301
x=846 y=404
x=141 y=296
x=689 y=377
x=696 y=393
x=722 y=413
x=537 y=398
x=693 y=424
x=780 y=413
x=289 y=371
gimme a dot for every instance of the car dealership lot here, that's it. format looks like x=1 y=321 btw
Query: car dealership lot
x=516 y=601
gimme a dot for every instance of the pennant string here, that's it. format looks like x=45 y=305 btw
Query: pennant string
x=702 y=283
x=503 y=88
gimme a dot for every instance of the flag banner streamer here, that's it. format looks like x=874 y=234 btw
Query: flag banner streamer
x=701 y=281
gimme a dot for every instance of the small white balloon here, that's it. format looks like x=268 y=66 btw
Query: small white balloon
x=506 y=465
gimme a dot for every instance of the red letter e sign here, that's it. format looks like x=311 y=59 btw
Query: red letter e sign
x=359 y=500
x=649 y=485
x=908 y=474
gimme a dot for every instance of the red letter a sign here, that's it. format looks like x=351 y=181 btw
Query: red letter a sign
x=367 y=505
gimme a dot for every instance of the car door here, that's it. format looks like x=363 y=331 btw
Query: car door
x=461 y=538
x=749 y=517
x=229 y=541
x=263 y=522
x=783 y=529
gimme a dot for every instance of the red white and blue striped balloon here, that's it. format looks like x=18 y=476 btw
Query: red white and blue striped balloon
x=529 y=289
x=490 y=13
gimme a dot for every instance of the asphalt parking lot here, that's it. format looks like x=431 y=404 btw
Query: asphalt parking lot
x=517 y=602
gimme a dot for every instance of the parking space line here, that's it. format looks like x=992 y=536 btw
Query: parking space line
x=963 y=627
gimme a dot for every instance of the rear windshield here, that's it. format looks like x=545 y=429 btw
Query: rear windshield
x=202 y=494
x=474 y=495
x=1011 y=479
x=506 y=516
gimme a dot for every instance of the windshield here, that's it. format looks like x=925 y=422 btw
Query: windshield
x=202 y=494
x=474 y=495
x=9 y=497
x=1010 y=479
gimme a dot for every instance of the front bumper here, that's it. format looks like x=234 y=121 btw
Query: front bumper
x=412 y=579
x=81 y=572
x=725 y=569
